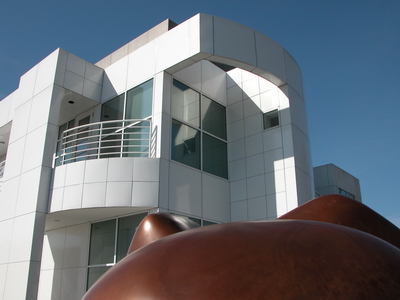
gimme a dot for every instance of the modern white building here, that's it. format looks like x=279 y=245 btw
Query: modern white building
x=204 y=119
x=330 y=179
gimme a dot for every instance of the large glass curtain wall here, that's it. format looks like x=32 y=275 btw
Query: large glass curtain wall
x=198 y=131
x=135 y=104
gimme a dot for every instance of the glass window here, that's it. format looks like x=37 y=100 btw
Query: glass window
x=102 y=243
x=185 y=104
x=210 y=154
x=109 y=243
x=139 y=101
x=215 y=156
x=185 y=146
x=271 y=119
x=113 y=109
x=213 y=117
x=126 y=229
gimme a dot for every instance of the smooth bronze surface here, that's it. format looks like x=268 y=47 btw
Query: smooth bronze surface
x=282 y=259
x=337 y=209
x=157 y=226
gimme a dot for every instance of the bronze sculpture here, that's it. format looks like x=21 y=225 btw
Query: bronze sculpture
x=308 y=257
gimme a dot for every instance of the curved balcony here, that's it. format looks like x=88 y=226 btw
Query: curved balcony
x=120 y=138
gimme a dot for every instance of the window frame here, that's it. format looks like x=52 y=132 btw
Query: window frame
x=200 y=129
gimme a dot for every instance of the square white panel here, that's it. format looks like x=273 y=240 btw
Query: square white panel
x=14 y=158
x=40 y=109
x=26 y=87
x=238 y=190
x=20 y=122
x=143 y=59
x=56 y=200
x=234 y=40
x=257 y=208
x=120 y=169
x=234 y=94
x=239 y=211
x=273 y=160
x=50 y=278
x=46 y=72
x=252 y=106
x=184 y=189
x=21 y=240
x=92 y=90
x=236 y=131
x=34 y=149
x=6 y=230
x=254 y=165
x=269 y=100
x=256 y=186
x=293 y=72
x=53 y=249
x=271 y=205
x=236 y=150
x=275 y=182
x=96 y=170
x=59 y=176
x=235 y=112
x=114 y=80
x=94 y=195
x=72 y=197
x=213 y=82
x=234 y=78
x=254 y=144
x=281 y=204
x=145 y=194
x=75 y=172
x=272 y=139
x=216 y=203
x=28 y=192
x=237 y=169
x=251 y=86
x=73 y=82
x=146 y=169
x=9 y=191
x=76 y=246
x=118 y=193
x=164 y=184
x=253 y=124
x=73 y=284
x=17 y=280
x=76 y=64
x=94 y=73
x=190 y=75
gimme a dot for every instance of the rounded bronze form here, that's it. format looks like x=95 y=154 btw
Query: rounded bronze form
x=337 y=209
x=283 y=259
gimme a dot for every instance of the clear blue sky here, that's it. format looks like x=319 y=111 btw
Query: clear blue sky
x=349 y=52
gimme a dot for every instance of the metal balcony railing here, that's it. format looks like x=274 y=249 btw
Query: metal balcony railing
x=2 y=164
x=121 y=138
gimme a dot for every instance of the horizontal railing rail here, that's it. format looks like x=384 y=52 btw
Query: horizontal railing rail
x=118 y=138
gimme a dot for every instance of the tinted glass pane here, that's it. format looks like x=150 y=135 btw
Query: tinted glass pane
x=113 y=109
x=94 y=274
x=208 y=223
x=102 y=243
x=139 y=101
x=271 y=119
x=185 y=104
x=185 y=144
x=126 y=229
x=215 y=158
x=213 y=117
